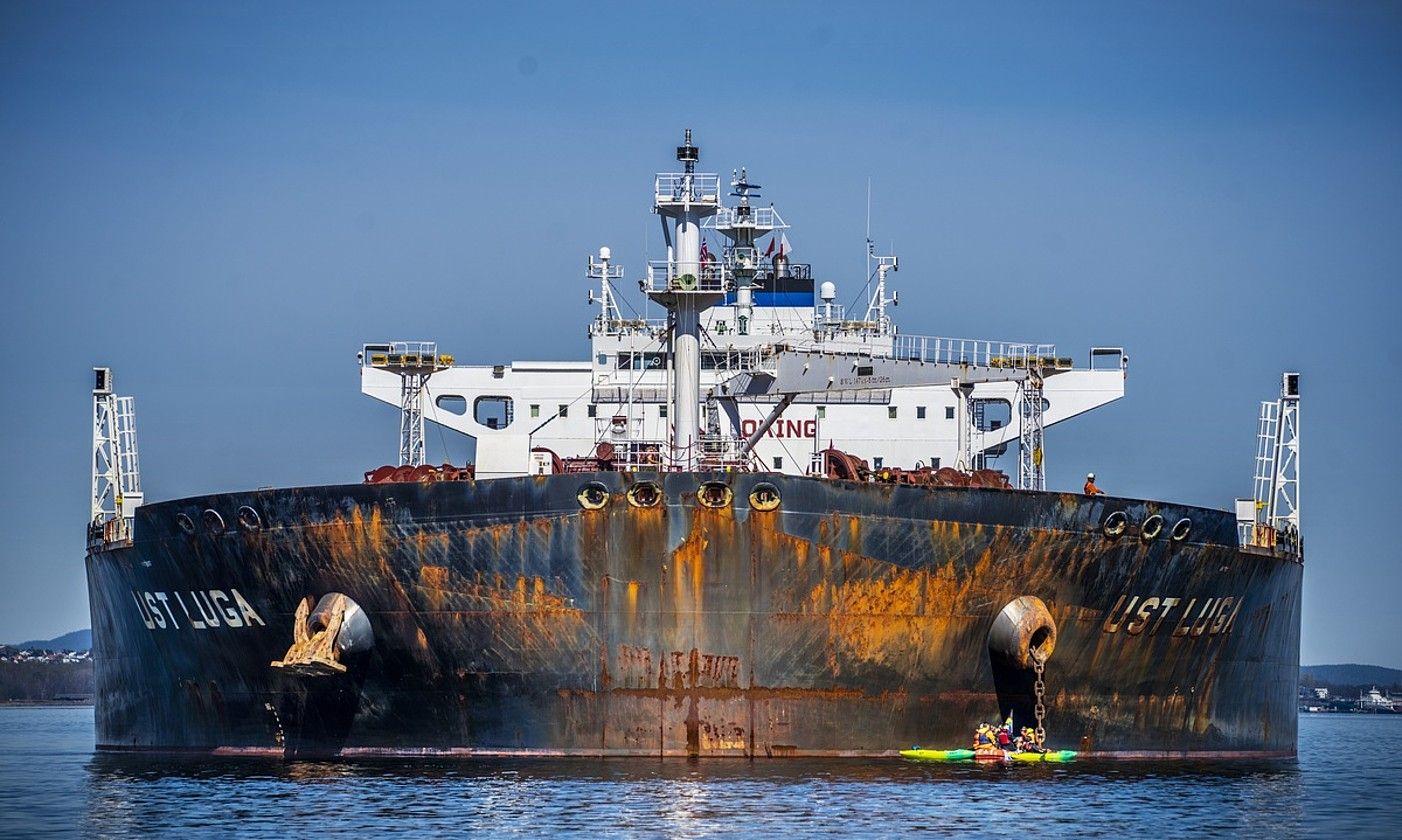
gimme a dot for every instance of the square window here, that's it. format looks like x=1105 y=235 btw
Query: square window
x=949 y=412
x=822 y=412
x=920 y=412
x=564 y=411
x=876 y=463
x=778 y=462
x=535 y=411
x=662 y=411
x=593 y=410
x=934 y=463
x=891 y=413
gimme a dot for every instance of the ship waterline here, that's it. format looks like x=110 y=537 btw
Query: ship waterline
x=564 y=614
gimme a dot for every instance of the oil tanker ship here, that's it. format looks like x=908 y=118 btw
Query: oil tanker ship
x=755 y=522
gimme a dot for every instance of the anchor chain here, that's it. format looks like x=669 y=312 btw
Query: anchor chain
x=1040 y=690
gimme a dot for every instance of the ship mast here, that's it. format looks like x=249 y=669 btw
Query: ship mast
x=116 y=475
x=691 y=285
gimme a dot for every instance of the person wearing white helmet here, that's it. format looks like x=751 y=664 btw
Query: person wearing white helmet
x=1091 y=489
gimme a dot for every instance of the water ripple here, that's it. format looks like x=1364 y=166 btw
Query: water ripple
x=51 y=784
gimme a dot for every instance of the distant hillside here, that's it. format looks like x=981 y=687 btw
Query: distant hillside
x=1352 y=674
x=77 y=640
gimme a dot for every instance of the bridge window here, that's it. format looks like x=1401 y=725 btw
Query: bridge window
x=949 y=412
x=876 y=463
x=492 y=412
x=535 y=410
x=593 y=410
x=642 y=361
x=822 y=412
x=563 y=412
x=891 y=413
x=452 y=403
x=992 y=414
x=662 y=411
x=778 y=463
x=920 y=412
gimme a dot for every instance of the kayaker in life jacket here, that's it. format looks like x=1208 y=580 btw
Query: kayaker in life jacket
x=984 y=739
x=1028 y=742
x=1005 y=737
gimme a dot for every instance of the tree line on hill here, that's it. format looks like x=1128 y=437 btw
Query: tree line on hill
x=38 y=681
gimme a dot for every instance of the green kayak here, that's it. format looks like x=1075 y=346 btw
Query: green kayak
x=938 y=755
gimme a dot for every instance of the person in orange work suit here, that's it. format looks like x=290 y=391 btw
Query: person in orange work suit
x=1091 y=489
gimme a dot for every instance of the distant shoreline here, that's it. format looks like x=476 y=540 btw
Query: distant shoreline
x=87 y=702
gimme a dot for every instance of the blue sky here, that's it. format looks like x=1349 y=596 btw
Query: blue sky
x=223 y=201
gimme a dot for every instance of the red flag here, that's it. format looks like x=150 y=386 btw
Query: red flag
x=770 y=250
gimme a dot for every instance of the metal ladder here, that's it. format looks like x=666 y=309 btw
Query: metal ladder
x=1265 y=455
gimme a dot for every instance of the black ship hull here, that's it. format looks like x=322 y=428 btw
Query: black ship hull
x=507 y=617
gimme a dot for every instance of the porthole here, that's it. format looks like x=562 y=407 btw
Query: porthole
x=1152 y=527
x=1181 y=529
x=249 y=520
x=764 y=496
x=644 y=494
x=593 y=496
x=213 y=522
x=185 y=523
x=715 y=494
x=1115 y=523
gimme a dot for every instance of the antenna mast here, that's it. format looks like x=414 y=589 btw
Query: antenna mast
x=415 y=362
x=116 y=473
x=1283 y=510
x=605 y=272
x=1031 y=467
x=692 y=285
x=1276 y=502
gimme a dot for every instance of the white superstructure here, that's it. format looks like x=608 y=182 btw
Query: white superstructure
x=686 y=391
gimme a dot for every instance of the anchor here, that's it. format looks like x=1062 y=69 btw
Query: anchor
x=324 y=636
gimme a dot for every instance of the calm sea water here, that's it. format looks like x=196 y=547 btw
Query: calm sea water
x=1346 y=782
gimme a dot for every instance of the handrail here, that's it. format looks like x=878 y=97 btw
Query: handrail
x=670 y=187
x=977 y=352
x=710 y=276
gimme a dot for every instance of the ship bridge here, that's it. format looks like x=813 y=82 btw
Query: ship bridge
x=706 y=376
